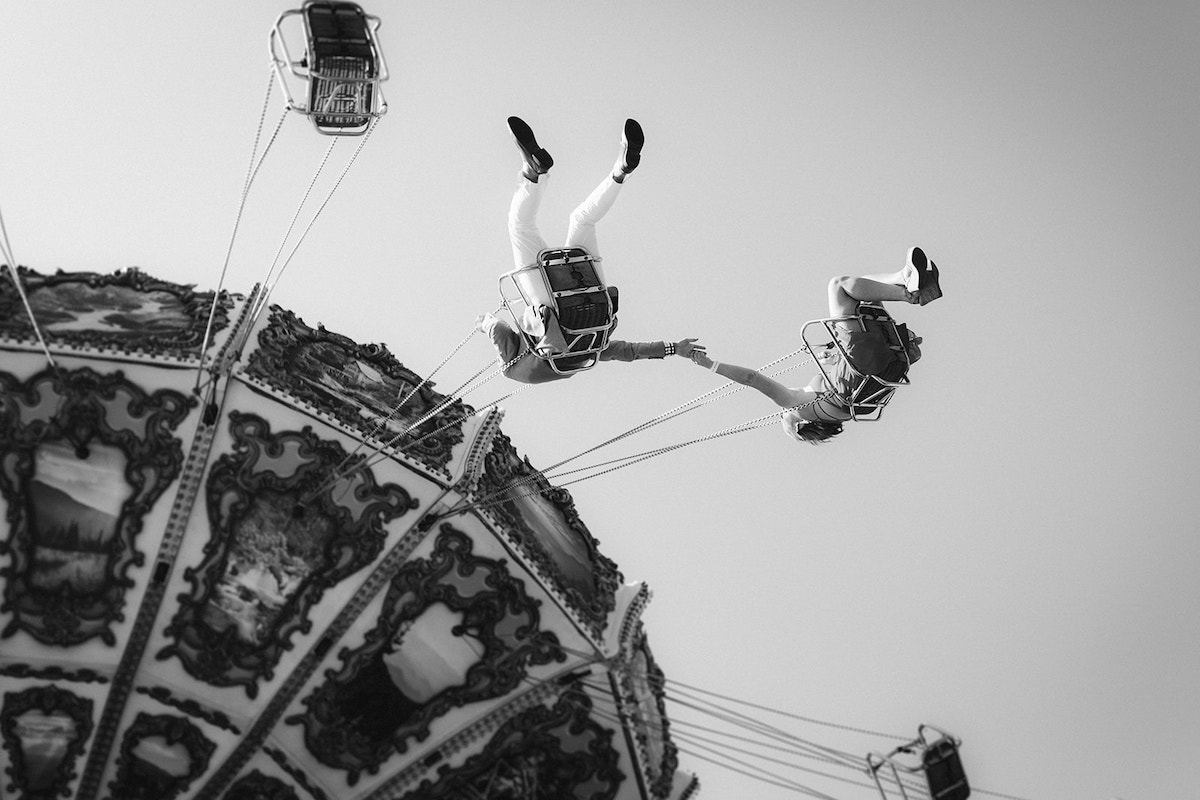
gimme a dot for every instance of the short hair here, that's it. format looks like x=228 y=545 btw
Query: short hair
x=913 y=347
x=803 y=430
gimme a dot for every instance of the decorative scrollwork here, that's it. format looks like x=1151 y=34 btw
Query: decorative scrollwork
x=390 y=689
x=53 y=673
x=282 y=534
x=541 y=754
x=299 y=775
x=83 y=457
x=362 y=386
x=44 y=730
x=190 y=707
x=143 y=314
x=257 y=786
x=160 y=757
x=544 y=521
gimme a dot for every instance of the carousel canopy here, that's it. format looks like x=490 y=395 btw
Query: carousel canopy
x=232 y=568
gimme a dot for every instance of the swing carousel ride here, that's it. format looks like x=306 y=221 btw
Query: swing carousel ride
x=248 y=558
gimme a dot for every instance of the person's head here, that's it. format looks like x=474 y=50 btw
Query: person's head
x=803 y=430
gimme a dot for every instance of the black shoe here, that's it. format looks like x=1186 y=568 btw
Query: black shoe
x=632 y=140
x=537 y=160
x=922 y=282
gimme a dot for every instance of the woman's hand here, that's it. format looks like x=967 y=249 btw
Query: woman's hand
x=688 y=348
x=700 y=358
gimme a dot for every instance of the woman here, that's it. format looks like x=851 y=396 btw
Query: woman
x=815 y=413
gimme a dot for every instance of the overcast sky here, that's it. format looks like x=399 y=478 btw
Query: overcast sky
x=1011 y=553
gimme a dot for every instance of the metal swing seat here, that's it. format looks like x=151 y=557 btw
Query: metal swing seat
x=565 y=281
x=871 y=393
x=938 y=761
x=342 y=66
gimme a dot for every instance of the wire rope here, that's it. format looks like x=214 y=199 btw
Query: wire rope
x=854 y=763
x=251 y=173
x=386 y=449
x=266 y=280
x=11 y=260
x=665 y=682
x=353 y=158
x=382 y=423
x=702 y=742
x=799 y=748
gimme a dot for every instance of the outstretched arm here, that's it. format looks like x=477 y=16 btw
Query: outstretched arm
x=618 y=350
x=780 y=394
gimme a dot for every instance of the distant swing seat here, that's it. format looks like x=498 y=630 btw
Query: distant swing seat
x=343 y=66
x=565 y=281
x=938 y=760
x=864 y=392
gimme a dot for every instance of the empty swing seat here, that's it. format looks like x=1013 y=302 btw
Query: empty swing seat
x=567 y=283
x=939 y=763
x=865 y=361
x=944 y=771
x=343 y=66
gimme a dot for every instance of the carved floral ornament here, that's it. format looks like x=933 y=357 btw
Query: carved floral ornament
x=362 y=386
x=544 y=753
x=83 y=457
x=546 y=525
x=161 y=755
x=127 y=310
x=456 y=628
x=282 y=534
x=44 y=730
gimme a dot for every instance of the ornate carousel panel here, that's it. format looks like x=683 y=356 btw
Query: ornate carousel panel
x=274 y=563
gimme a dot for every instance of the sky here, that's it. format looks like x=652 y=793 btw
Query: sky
x=1011 y=553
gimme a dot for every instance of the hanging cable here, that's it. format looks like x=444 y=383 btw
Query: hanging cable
x=633 y=459
x=251 y=174
x=791 y=745
x=617 y=717
x=381 y=424
x=728 y=388
x=801 y=748
x=9 y=258
x=381 y=452
x=505 y=492
x=669 y=682
x=266 y=279
x=262 y=300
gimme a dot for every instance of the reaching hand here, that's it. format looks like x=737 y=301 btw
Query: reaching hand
x=688 y=347
x=700 y=358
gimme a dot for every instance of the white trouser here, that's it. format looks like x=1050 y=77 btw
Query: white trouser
x=527 y=241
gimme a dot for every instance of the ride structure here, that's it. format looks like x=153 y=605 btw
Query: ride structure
x=564 y=290
x=233 y=593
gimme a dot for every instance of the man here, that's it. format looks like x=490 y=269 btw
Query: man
x=520 y=363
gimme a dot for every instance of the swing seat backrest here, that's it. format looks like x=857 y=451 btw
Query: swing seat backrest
x=938 y=761
x=944 y=771
x=567 y=282
x=343 y=66
x=864 y=388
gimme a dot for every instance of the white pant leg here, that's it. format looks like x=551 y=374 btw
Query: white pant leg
x=581 y=231
x=527 y=242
